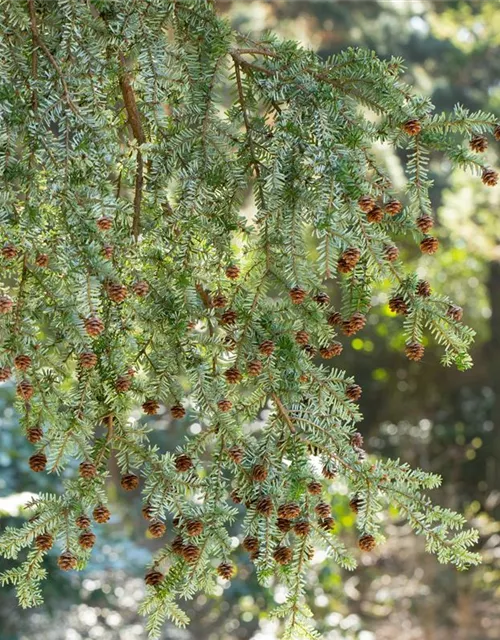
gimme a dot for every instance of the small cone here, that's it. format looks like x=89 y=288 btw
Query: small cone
x=67 y=561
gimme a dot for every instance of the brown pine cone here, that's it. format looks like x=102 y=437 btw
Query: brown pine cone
x=348 y=260
x=151 y=407
x=297 y=295
x=6 y=304
x=9 y=251
x=397 y=304
x=412 y=127
x=123 y=384
x=67 y=561
x=178 y=545
x=38 y=461
x=332 y=350
x=266 y=347
x=183 y=462
x=157 y=529
x=366 y=203
x=284 y=525
x=235 y=453
x=302 y=337
x=22 y=362
x=327 y=524
x=233 y=272
x=42 y=260
x=101 y=514
x=87 y=359
x=233 y=375
x=391 y=253
x=116 y=292
x=147 y=512
x=329 y=470
x=414 y=351
x=429 y=245
x=393 y=207
x=24 y=389
x=355 y=504
x=310 y=350
x=367 y=543
x=235 y=497
x=5 y=373
x=83 y=521
x=87 y=470
x=264 y=506
x=93 y=326
x=479 y=144
x=153 y=578
x=489 y=177
x=229 y=343
x=357 y=439
x=322 y=299
x=425 y=223
x=250 y=543
x=302 y=528
x=129 y=481
x=140 y=288
x=496 y=133
x=283 y=555
x=104 y=223
x=289 y=511
x=191 y=553
x=178 y=411
x=314 y=487
x=194 y=527
x=258 y=473
x=225 y=405
x=354 y=324
x=34 y=435
x=455 y=312
x=228 y=318
x=86 y=539
x=107 y=251
x=353 y=392
x=225 y=570
x=375 y=215
x=219 y=301
x=44 y=542
x=254 y=368
x=323 y=510
x=423 y=289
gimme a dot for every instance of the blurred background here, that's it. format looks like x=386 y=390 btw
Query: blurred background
x=441 y=420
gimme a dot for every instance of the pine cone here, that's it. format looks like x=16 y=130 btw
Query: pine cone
x=86 y=539
x=225 y=405
x=183 y=463
x=489 y=177
x=140 y=288
x=264 y=506
x=87 y=360
x=116 y=292
x=225 y=570
x=87 y=470
x=24 y=389
x=266 y=347
x=391 y=253
x=348 y=260
x=157 y=529
x=22 y=362
x=129 y=481
x=123 y=384
x=393 y=207
x=254 y=368
x=423 y=289
x=425 y=223
x=455 y=312
x=329 y=470
x=332 y=350
x=107 y=251
x=236 y=454
x=34 y=435
x=323 y=510
x=6 y=304
x=355 y=503
x=9 y=251
x=259 y=473
x=194 y=527
x=147 y=512
x=229 y=317
x=233 y=272
x=429 y=245
x=67 y=561
x=496 y=133
x=327 y=524
x=104 y=223
x=367 y=543
x=229 y=343
x=235 y=497
x=479 y=144
x=334 y=319
x=101 y=514
x=93 y=326
x=297 y=295
x=302 y=528
x=178 y=411
x=412 y=127
x=302 y=338
x=314 y=487
x=5 y=373
x=219 y=301
x=250 y=544
x=366 y=203
x=42 y=260
x=353 y=392
x=355 y=323
x=289 y=511
x=375 y=215
x=151 y=407
x=310 y=350
x=233 y=375
x=284 y=525
x=44 y=542
x=153 y=578
x=83 y=521
x=398 y=304
x=38 y=461
x=178 y=545
x=414 y=351
x=283 y=555
x=357 y=439
x=322 y=299
x=191 y=553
